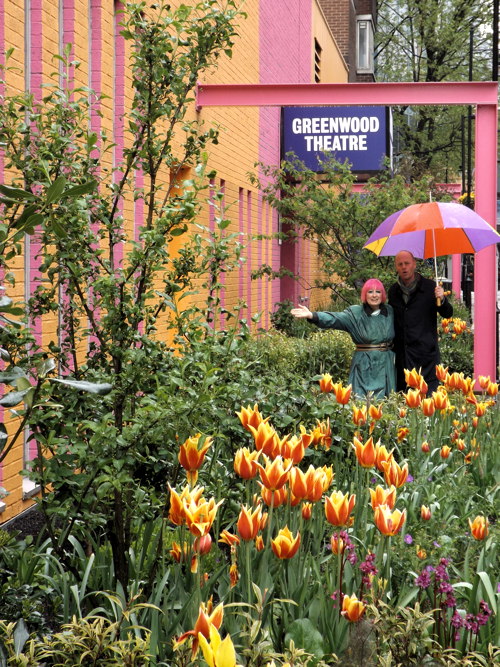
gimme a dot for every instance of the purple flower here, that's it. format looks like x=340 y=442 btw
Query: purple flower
x=437 y=545
x=424 y=578
x=409 y=478
x=408 y=539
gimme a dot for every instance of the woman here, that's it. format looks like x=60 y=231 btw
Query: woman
x=371 y=327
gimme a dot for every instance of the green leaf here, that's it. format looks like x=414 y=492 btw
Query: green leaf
x=91 y=387
x=178 y=231
x=5 y=302
x=13 y=398
x=79 y=190
x=305 y=636
x=224 y=223
x=32 y=222
x=55 y=191
x=16 y=193
x=11 y=375
x=46 y=367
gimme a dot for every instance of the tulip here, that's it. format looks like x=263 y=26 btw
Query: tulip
x=421 y=553
x=475 y=422
x=428 y=407
x=375 y=412
x=465 y=427
x=402 y=433
x=440 y=399
x=245 y=463
x=481 y=409
x=322 y=434
x=394 y=474
x=413 y=398
x=176 y=513
x=338 y=507
x=413 y=378
x=251 y=417
x=191 y=455
x=203 y=545
x=359 y=415
x=266 y=439
x=445 y=452
x=178 y=553
x=492 y=389
x=234 y=575
x=228 y=538
x=389 y=523
x=298 y=483
x=307 y=438
x=337 y=544
x=425 y=513
x=479 y=527
x=293 y=449
x=402 y=413
x=381 y=496
x=274 y=498
x=200 y=516
x=460 y=444
x=248 y=524
x=327 y=476
x=306 y=511
x=207 y=618
x=441 y=373
x=218 y=653
x=275 y=474
x=484 y=381
x=285 y=545
x=425 y=447
x=342 y=394
x=381 y=456
x=365 y=453
x=352 y=608
x=259 y=543
x=326 y=383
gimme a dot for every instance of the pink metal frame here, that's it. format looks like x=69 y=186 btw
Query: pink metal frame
x=483 y=95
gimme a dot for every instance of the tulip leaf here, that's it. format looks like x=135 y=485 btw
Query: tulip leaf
x=305 y=636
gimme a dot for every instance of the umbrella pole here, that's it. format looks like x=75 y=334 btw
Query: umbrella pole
x=438 y=300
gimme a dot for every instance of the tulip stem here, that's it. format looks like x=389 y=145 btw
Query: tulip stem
x=248 y=546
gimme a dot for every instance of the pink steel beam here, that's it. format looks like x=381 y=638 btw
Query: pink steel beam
x=325 y=94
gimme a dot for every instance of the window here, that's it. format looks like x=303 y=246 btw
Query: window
x=364 y=44
x=317 y=61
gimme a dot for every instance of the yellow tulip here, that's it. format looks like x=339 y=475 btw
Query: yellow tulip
x=217 y=652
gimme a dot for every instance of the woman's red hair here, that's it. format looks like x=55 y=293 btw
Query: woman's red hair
x=373 y=283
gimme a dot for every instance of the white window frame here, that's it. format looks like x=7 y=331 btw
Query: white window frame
x=365 y=22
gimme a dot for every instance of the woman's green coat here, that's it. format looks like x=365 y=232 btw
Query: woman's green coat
x=371 y=370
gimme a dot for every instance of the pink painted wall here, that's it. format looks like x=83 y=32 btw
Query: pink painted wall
x=285 y=39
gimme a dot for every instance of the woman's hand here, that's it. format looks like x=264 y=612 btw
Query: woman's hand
x=301 y=312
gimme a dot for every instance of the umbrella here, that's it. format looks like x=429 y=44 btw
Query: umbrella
x=432 y=229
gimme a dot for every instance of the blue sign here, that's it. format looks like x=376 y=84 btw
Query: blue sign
x=356 y=134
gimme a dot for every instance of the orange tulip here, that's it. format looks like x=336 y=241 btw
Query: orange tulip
x=389 y=523
x=180 y=554
x=460 y=444
x=484 y=381
x=352 y=608
x=479 y=527
x=445 y=452
x=381 y=456
x=425 y=513
x=465 y=427
x=440 y=398
x=234 y=575
x=381 y=496
x=365 y=453
x=428 y=407
x=475 y=422
x=421 y=553
x=359 y=416
x=337 y=544
x=293 y=449
x=274 y=498
x=259 y=543
x=245 y=463
x=191 y=455
x=394 y=474
x=413 y=398
x=375 y=412
x=200 y=516
x=203 y=545
x=307 y=438
x=306 y=511
x=251 y=417
x=265 y=438
x=481 y=409
x=327 y=476
x=248 y=524
x=342 y=394
x=207 y=617
x=228 y=538
x=275 y=474
x=492 y=389
x=326 y=383
x=338 y=507
x=413 y=378
x=285 y=545
x=402 y=413
x=441 y=373
x=402 y=433
x=176 y=513
x=425 y=447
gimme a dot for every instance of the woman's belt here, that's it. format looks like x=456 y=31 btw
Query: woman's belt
x=375 y=346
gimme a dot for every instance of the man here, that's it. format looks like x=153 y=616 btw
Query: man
x=414 y=300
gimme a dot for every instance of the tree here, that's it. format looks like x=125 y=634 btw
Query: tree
x=428 y=40
x=323 y=208
x=110 y=291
